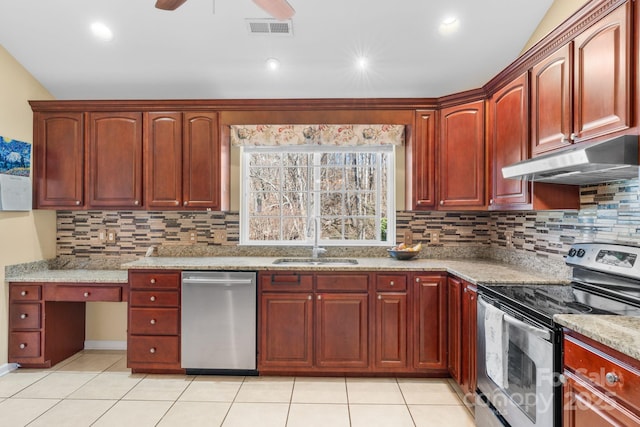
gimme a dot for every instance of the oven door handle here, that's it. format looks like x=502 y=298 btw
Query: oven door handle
x=538 y=332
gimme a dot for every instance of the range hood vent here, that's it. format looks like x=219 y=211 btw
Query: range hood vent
x=582 y=164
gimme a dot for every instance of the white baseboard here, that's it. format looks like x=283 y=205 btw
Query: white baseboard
x=105 y=345
x=8 y=367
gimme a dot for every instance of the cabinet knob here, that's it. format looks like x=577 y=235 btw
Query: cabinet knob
x=490 y=201
x=309 y=297
x=77 y=202
x=136 y=202
x=611 y=378
x=152 y=321
x=152 y=298
x=23 y=346
x=441 y=202
x=86 y=294
x=417 y=280
x=572 y=137
x=319 y=297
x=24 y=293
x=152 y=281
x=24 y=316
x=379 y=296
x=391 y=283
x=186 y=203
x=562 y=379
x=152 y=350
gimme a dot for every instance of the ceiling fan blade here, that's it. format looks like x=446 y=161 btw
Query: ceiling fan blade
x=279 y=9
x=169 y=4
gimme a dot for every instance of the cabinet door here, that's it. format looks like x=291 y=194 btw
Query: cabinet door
x=423 y=161
x=115 y=160
x=201 y=161
x=454 y=302
x=468 y=374
x=286 y=329
x=462 y=157
x=163 y=160
x=551 y=104
x=342 y=332
x=584 y=405
x=429 y=320
x=509 y=124
x=391 y=330
x=601 y=77
x=59 y=155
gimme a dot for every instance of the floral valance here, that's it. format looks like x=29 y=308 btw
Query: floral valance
x=342 y=135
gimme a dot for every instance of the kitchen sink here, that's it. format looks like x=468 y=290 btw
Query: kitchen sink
x=315 y=261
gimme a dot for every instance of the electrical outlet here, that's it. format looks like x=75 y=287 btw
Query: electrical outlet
x=111 y=236
x=435 y=237
x=219 y=236
x=508 y=235
x=193 y=236
x=102 y=236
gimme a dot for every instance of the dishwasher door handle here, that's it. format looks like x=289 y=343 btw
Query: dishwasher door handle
x=218 y=282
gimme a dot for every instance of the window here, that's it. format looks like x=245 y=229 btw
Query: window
x=348 y=190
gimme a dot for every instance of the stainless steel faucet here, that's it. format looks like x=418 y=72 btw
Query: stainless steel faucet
x=316 y=251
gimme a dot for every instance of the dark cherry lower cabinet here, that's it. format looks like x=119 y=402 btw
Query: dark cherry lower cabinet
x=602 y=386
x=462 y=300
x=347 y=322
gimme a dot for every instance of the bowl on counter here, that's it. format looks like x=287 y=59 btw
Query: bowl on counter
x=403 y=255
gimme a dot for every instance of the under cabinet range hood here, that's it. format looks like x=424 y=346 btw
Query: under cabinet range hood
x=582 y=164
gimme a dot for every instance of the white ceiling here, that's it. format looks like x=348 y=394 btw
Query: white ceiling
x=204 y=50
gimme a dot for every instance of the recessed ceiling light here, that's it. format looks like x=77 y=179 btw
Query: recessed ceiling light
x=449 y=25
x=362 y=63
x=101 y=31
x=273 y=64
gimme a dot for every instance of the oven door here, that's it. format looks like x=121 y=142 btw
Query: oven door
x=522 y=393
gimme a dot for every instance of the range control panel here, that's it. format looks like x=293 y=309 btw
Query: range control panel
x=609 y=258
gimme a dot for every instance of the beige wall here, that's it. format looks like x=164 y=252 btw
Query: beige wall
x=559 y=11
x=24 y=236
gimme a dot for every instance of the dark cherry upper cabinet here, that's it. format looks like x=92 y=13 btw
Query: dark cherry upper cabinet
x=430 y=322
x=509 y=143
x=582 y=90
x=461 y=166
x=201 y=154
x=602 y=57
x=115 y=160
x=59 y=160
x=163 y=160
x=423 y=161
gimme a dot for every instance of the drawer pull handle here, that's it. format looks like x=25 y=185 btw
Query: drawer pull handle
x=152 y=298
x=152 y=281
x=379 y=296
x=319 y=297
x=86 y=294
x=391 y=283
x=24 y=315
x=309 y=297
x=24 y=293
x=611 y=378
x=152 y=350
x=152 y=321
x=23 y=346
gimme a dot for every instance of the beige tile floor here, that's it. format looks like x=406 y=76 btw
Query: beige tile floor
x=94 y=388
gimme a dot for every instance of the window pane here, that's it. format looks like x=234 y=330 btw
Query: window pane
x=331 y=228
x=358 y=204
x=331 y=179
x=360 y=229
x=294 y=228
x=264 y=228
x=265 y=204
x=332 y=159
x=264 y=179
x=264 y=159
x=331 y=204
x=295 y=204
x=295 y=159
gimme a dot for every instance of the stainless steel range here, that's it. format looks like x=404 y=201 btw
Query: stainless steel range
x=520 y=346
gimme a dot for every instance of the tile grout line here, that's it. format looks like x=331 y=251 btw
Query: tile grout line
x=404 y=399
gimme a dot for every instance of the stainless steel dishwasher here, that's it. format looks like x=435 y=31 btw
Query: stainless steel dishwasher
x=219 y=322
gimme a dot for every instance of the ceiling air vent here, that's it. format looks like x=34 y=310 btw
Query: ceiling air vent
x=270 y=26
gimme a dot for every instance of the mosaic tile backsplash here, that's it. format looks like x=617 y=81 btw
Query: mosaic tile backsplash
x=608 y=213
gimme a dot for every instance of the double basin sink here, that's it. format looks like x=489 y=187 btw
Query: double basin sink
x=315 y=261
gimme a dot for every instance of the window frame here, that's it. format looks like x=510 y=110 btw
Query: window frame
x=390 y=152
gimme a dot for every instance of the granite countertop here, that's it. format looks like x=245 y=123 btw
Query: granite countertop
x=70 y=276
x=621 y=333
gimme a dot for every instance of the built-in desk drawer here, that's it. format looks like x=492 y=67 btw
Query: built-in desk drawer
x=24 y=316
x=154 y=321
x=75 y=293
x=24 y=344
x=25 y=292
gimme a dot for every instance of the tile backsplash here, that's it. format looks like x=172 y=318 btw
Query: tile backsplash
x=608 y=213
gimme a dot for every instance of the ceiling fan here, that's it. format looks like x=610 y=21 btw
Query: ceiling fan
x=279 y=9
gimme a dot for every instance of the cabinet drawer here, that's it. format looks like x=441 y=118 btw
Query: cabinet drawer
x=24 y=344
x=603 y=370
x=391 y=282
x=145 y=280
x=143 y=349
x=154 y=321
x=154 y=298
x=286 y=282
x=342 y=282
x=25 y=292
x=24 y=316
x=73 y=293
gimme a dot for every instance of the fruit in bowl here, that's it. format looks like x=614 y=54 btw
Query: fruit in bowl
x=404 y=252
